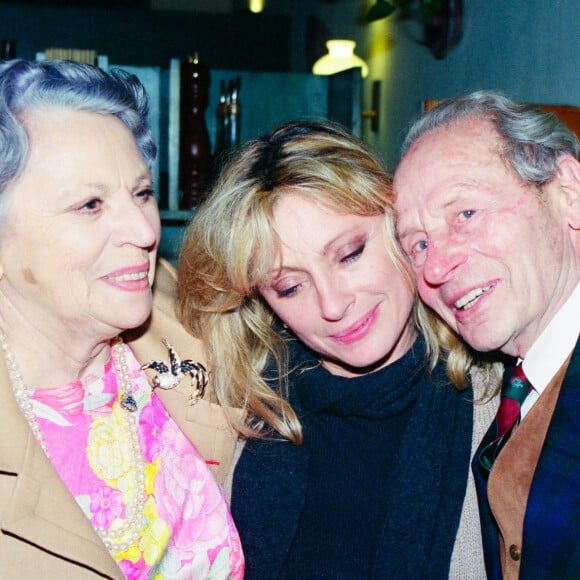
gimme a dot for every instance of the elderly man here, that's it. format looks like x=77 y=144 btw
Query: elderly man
x=488 y=203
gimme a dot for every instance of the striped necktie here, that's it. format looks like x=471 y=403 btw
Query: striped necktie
x=513 y=393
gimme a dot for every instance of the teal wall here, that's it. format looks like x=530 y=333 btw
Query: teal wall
x=528 y=49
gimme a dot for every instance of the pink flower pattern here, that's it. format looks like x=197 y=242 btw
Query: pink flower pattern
x=186 y=505
x=106 y=506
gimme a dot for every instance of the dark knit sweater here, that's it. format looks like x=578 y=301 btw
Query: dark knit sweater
x=353 y=429
x=378 y=485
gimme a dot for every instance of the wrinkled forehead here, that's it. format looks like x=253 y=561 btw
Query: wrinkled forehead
x=446 y=154
x=415 y=175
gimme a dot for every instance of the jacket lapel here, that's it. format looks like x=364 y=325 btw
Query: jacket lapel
x=207 y=425
x=41 y=510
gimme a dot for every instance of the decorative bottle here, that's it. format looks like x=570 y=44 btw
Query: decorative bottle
x=195 y=147
x=235 y=112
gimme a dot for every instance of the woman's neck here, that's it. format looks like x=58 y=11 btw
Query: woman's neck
x=51 y=358
x=401 y=347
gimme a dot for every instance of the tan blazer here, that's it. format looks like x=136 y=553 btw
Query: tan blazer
x=43 y=532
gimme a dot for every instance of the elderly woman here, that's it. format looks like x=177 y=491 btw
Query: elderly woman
x=356 y=463
x=96 y=478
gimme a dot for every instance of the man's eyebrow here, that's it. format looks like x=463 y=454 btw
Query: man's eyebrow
x=406 y=232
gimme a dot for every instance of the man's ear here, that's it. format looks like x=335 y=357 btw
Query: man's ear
x=569 y=180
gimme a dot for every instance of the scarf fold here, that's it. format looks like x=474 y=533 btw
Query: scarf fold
x=378 y=395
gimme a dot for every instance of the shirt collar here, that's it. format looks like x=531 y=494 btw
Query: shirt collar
x=554 y=344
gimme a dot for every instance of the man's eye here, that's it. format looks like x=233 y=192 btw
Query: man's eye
x=420 y=246
x=467 y=214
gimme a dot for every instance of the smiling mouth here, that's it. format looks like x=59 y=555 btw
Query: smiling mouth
x=358 y=330
x=130 y=277
x=470 y=299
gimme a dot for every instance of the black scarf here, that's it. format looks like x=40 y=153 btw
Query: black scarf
x=420 y=430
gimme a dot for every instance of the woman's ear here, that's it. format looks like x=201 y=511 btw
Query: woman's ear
x=569 y=181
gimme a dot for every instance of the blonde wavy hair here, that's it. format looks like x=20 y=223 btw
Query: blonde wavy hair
x=231 y=244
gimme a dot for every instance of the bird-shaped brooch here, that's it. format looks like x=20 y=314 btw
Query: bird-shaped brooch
x=169 y=377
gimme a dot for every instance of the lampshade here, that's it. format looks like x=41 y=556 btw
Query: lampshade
x=340 y=57
x=256 y=6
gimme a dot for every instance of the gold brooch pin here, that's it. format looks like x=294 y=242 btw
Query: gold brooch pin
x=169 y=376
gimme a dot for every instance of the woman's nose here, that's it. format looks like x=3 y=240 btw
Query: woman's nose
x=334 y=298
x=139 y=225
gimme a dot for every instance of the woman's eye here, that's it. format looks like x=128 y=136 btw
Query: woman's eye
x=145 y=194
x=352 y=256
x=287 y=292
x=91 y=205
x=286 y=287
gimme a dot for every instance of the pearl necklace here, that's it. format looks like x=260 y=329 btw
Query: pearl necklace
x=120 y=538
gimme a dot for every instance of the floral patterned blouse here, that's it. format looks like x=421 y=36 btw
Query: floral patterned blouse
x=189 y=531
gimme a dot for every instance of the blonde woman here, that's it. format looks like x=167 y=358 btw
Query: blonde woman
x=358 y=435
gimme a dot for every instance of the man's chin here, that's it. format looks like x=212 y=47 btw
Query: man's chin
x=480 y=341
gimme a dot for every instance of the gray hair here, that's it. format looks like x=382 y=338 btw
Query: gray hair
x=533 y=139
x=46 y=85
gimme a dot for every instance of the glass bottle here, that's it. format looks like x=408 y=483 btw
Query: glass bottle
x=195 y=147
